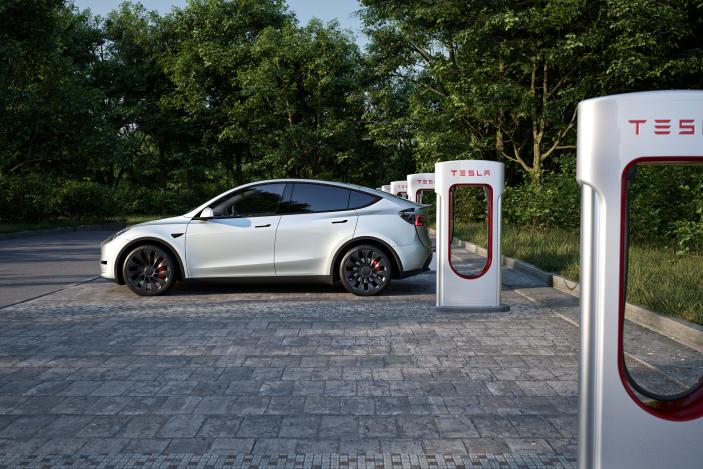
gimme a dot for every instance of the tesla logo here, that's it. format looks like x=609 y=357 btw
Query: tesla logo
x=425 y=181
x=664 y=126
x=470 y=172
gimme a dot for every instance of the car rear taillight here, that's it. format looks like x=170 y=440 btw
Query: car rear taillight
x=413 y=218
x=417 y=218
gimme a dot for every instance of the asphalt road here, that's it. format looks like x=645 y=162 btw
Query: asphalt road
x=37 y=265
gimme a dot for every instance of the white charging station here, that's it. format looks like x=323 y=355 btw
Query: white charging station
x=399 y=188
x=417 y=183
x=455 y=291
x=386 y=188
x=618 y=426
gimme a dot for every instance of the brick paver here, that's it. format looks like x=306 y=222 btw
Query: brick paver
x=278 y=376
x=94 y=369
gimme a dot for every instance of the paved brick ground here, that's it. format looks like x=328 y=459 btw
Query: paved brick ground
x=233 y=376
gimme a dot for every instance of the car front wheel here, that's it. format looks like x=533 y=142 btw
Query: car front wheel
x=365 y=270
x=149 y=270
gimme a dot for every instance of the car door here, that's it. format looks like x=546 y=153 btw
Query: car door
x=239 y=240
x=316 y=220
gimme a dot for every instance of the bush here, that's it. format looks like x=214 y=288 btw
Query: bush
x=689 y=234
x=31 y=198
x=28 y=197
x=554 y=203
x=86 y=199
x=666 y=205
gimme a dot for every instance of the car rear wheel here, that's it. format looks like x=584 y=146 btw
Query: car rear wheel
x=365 y=270
x=149 y=270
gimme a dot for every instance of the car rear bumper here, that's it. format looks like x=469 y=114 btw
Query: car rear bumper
x=415 y=259
x=425 y=267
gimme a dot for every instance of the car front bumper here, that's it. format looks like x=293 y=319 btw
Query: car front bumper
x=109 y=251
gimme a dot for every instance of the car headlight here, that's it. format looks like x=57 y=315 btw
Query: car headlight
x=115 y=235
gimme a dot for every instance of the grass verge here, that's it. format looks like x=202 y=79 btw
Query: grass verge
x=658 y=279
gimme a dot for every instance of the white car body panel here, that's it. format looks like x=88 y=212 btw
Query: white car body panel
x=307 y=242
x=231 y=247
x=161 y=230
x=381 y=220
x=294 y=245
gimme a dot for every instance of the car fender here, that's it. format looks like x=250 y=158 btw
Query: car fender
x=387 y=244
x=173 y=237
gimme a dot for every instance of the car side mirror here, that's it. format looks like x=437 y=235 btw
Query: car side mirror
x=206 y=214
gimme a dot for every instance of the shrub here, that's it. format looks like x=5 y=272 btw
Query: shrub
x=555 y=202
x=86 y=199
x=28 y=197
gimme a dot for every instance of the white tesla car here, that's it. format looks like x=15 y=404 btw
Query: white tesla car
x=288 y=230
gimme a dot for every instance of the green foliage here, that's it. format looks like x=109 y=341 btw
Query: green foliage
x=666 y=205
x=551 y=249
x=661 y=281
x=304 y=98
x=658 y=279
x=143 y=113
x=689 y=234
x=553 y=203
x=33 y=198
x=496 y=79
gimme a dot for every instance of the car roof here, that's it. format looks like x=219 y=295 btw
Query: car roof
x=347 y=185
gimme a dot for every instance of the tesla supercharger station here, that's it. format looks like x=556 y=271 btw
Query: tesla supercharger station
x=399 y=188
x=386 y=188
x=455 y=291
x=618 y=429
x=417 y=183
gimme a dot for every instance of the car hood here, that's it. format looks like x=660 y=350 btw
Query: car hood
x=179 y=220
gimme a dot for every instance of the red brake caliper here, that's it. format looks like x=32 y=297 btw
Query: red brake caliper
x=161 y=269
x=375 y=265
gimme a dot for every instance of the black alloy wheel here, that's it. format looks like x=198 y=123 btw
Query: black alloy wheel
x=365 y=270
x=149 y=270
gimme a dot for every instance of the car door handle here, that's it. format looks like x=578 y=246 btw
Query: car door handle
x=339 y=221
x=263 y=226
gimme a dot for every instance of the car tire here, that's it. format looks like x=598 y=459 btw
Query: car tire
x=149 y=270
x=365 y=270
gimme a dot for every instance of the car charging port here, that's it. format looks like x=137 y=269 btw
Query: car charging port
x=408 y=215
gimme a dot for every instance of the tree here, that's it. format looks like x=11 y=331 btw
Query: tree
x=501 y=78
x=214 y=43
x=46 y=101
x=136 y=104
x=304 y=96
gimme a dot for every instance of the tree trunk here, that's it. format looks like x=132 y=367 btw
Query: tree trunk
x=239 y=173
x=163 y=166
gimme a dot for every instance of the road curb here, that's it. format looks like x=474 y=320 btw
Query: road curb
x=683 y=331
x=64 y=229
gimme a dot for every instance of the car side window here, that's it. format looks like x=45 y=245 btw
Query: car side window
x=361 y=199
x=311 y=198
x=257 y=201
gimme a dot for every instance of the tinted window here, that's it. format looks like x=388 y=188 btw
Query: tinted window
x=309 y=198
x=251 y=202
x=360 y=199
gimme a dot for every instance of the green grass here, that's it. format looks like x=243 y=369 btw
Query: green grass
x=11 y=227
x=658 y=279
x=661 y=281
